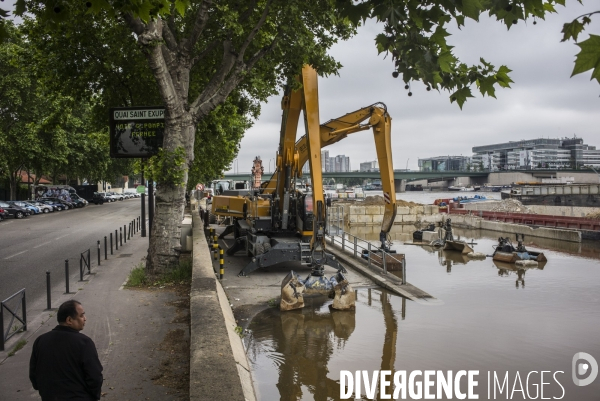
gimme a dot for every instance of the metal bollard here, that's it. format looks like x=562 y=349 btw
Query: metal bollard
x=66 y=276
x=105 y=249
x=111 y=244
x=89 y=262
x=138 y=221
x=116 y=240
x=125 y=233
x=120 y=236
x=98 y=252
x=221 y=264
x=129 y=231
x=80 y=268
x=48 y=300
x=215 y=250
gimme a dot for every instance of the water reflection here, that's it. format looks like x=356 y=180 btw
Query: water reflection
x=508 y=269
x=303 y=342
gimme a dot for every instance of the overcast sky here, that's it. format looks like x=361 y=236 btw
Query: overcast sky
x=543 y=101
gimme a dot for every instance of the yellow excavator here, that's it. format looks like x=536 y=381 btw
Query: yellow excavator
x=279 y=223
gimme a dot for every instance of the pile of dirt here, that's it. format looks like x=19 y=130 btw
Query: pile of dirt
x=379 y=201
x=511 y=206
x=593 y=216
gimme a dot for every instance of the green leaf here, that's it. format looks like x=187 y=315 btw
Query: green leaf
x=589 y=57
x=439 y=37
x=460 y=20
x=446 y=61
x=472 y=9
x=502 y=77
x=571 y=30
x=460 y=96
x=486 y=86
x=181 y=5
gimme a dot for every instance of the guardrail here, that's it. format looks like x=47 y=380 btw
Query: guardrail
x=367 y=252
x=12 y=330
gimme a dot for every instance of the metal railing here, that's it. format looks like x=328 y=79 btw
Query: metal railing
x=12 y=330
x=367 y=251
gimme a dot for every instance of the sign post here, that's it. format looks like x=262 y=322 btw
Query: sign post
x=137 y=132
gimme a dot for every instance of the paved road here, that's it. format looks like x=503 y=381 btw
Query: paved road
x=31 y=246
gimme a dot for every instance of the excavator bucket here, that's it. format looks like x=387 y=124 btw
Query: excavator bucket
x=317 y=285
x=292 y=288
x=342 y=293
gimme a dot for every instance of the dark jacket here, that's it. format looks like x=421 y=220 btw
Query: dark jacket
x=64 y=366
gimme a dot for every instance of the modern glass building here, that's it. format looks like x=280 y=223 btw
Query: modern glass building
x=541 y=153
x=445 y=163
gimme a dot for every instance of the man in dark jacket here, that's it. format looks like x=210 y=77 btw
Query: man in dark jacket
x=64 y=363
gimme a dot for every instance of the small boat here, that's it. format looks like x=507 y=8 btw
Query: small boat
x=460 y=188
x=450 y=244
x=507 y=253
x=459 y=246
x=418 y=235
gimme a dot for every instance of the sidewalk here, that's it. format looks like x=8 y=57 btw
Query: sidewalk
x=136 y=332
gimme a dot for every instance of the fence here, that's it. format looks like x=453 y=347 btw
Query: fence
x=14 y=314
x=377 y=258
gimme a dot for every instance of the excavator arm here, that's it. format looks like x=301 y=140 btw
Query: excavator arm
x=339 y=128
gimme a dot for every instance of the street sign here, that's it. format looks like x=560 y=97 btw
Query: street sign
x=136 y=131
x=140 y=189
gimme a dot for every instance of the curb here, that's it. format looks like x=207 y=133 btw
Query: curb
x=219 y=367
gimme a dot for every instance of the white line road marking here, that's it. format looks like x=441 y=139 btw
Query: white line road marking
x=37 y=246
x=16 y=254
x=62 y=236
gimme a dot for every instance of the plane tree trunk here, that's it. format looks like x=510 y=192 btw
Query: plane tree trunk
x=171 y=61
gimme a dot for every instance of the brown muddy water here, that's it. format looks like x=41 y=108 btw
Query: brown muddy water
x=494 y=318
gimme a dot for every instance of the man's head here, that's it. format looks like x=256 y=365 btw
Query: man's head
x=71 y=314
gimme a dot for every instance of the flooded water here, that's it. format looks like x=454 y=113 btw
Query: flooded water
x=493 y=318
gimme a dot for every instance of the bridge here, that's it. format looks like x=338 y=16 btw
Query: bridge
x=398 y=175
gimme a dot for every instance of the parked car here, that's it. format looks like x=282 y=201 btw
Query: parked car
x=109 y=196
x=116 y=195
x=78 y=201
x=66 y=205
x=13 y=210
x=99 y=198
x=30 y=208
x=55 y=205
x=44 y=208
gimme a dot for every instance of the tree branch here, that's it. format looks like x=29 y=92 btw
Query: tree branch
x=255 y=30
x=169 y=38
x=248 y=12
x=199 y=25
x=207 y=50
x=135 y=24
x=227 y=63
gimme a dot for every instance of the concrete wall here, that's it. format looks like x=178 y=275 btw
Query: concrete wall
x=370 y=217
x=507 y=177
x=570 y=211
x=509 y=228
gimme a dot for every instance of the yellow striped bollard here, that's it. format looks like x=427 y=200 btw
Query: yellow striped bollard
x=221 y=264
x=215 y=250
